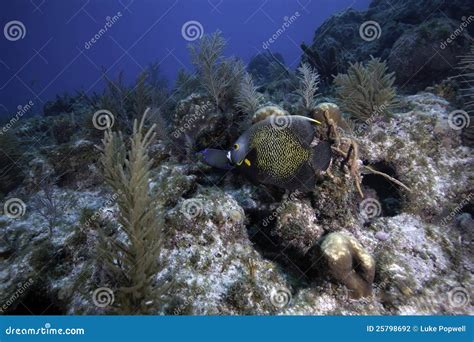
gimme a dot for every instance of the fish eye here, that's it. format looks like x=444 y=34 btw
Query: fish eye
x=236 y=147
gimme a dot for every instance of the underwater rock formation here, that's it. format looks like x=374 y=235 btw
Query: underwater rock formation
x=296 y=225
x=402 y=35
x=226 y=260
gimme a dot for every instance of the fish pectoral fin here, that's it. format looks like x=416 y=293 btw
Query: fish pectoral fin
x=322 y=155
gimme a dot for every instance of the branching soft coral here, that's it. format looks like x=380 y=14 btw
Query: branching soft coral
x=309 y=82
x=249 y=99
x=135 y=261
x=366 y=91
x=220 y=77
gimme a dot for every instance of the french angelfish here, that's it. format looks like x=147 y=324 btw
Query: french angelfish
x=278 y=151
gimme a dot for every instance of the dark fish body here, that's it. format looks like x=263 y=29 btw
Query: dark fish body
x=280 y=152
x=277 y=151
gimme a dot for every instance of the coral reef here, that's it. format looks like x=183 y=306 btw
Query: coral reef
x=386 y=229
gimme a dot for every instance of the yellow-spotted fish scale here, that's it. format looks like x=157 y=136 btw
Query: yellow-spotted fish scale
x=279 y=151
x=273 y=143
x=276 y=151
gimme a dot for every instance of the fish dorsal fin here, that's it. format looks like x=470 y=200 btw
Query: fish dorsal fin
x=304 y=130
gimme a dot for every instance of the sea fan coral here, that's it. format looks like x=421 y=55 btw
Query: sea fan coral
x=366 y=91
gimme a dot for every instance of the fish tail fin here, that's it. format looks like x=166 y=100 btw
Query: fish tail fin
x=321 y=157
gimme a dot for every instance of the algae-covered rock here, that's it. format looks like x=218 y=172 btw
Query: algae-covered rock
x=210 y=254
x=296 y=225
x=75 y=163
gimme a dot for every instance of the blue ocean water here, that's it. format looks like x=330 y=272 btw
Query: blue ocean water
x=55 y=53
